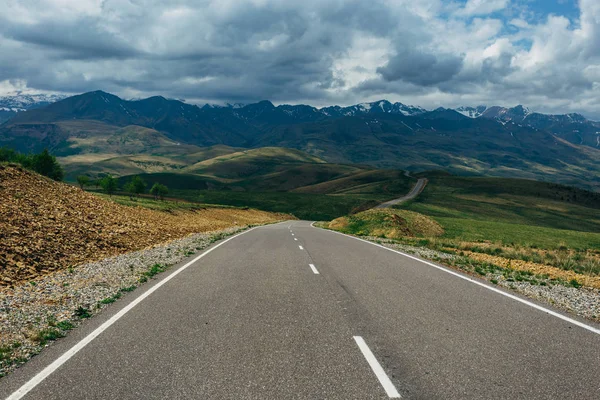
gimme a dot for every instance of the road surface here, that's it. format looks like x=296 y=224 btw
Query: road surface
x=289 y=311
x=414 y=192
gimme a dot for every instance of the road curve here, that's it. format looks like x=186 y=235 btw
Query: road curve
x=291 y=311
x=414 y=192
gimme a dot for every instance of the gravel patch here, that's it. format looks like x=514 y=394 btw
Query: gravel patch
x=583 y=301
x=35 y=313
x=422 y=252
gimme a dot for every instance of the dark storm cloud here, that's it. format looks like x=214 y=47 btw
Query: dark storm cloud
x=421 y=68
x=82 y=39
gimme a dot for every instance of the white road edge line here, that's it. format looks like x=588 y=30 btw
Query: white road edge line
x=301 y=248
x=43 y=374
x=493 y=289
x=314 y=269
x=385 y=381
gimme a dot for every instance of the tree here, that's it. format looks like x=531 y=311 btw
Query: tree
x=136 y=186
x=83 y=181
x=159 y=191
x=7 y=155
x=109 y=184
x=46 y=164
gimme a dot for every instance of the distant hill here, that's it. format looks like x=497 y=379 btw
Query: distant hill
x=491 y=141
x=279 y=169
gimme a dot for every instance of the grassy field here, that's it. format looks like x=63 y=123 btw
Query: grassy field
x=533 y=222
x=501 y=209
x=168 y=205
x=319 y=207
x=302 y=205
x=508 y=234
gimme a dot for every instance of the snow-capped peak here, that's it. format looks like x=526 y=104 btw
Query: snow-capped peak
x=365 y=107
x=408 y=110
x=380 y=106
x=22 y=102
x=472 y=112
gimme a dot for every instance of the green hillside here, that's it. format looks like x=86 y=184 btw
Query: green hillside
x=247 y=163
x=511 y=211
x=364 y=182
x=264 y=169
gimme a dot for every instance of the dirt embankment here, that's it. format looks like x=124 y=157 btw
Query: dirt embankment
x=46 y=225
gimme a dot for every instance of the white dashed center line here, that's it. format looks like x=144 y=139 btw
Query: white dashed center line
x=301 y=248
x=385 y=381
x=312 y=266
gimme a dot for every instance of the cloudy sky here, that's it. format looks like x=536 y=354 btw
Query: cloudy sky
x=541 y=53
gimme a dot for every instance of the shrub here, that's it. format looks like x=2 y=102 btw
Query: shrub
x=82 y=312
x=574 y=283
x=46 y=335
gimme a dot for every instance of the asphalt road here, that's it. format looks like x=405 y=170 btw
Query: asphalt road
x=271 y=315
x=414 y=192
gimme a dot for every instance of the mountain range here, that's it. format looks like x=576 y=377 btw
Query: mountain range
x=481 y=140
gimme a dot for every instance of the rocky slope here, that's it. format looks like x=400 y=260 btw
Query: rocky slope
x=46 y=226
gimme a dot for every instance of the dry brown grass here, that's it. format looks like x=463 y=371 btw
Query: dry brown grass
x=552 y=272
x=46 y=225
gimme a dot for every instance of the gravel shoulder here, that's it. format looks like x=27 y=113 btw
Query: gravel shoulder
x=581 y=301
x=34 y=314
